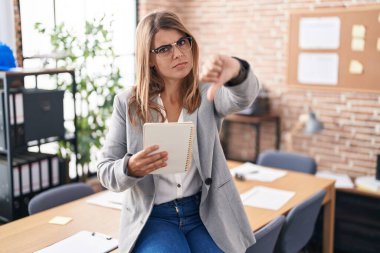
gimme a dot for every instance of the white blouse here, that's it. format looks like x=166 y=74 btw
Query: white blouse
x=176 y=185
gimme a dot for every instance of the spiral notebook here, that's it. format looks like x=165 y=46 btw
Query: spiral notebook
x=174 y=138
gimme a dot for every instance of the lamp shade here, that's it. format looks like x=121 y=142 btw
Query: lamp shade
x=313 y=125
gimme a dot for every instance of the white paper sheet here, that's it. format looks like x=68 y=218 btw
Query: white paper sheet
x=341 y=180
x=250 y=171
x=108 y=199
x=83 y=241
x=368 y=183
x=319 y=33
x=318 y=68
x=266 y=197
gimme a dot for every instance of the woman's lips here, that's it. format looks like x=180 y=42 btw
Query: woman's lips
x=180 y=65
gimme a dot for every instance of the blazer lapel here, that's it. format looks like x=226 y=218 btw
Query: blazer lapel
x=193 y=118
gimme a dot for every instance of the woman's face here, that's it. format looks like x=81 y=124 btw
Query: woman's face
x=173 y=59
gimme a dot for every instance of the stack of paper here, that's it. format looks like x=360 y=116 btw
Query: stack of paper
x=108 y=199
x=250 y=171
x=341 y=180
x=368 y=183
x=265 y=197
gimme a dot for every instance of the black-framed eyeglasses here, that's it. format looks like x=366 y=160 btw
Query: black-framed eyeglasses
x=182 y=44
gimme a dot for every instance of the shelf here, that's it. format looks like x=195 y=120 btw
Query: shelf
x=35 y=72
x=24 y=174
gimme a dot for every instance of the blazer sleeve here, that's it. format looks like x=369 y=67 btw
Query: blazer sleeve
x=230 y=99
x=112 y=166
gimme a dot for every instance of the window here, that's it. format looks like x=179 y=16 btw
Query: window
x=37 y=50
x=74 y=13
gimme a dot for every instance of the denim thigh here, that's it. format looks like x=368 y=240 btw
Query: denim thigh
x=175 y=226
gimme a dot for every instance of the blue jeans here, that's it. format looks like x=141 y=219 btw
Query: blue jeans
x=176 y=227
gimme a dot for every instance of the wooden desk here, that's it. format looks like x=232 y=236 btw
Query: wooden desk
x=255 y=122
x=305 y=186
x=34 y=232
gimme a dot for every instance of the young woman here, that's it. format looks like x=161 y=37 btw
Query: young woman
x=196 y=211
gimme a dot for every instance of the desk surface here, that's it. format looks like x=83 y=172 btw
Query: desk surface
x=34 y=232
x=306 y=186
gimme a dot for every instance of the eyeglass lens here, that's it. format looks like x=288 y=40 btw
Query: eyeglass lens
x=166 y=50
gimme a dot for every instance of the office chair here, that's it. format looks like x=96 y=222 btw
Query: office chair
x=267 y=236
x=289 y=161
x=58 y=196
x=299 y=225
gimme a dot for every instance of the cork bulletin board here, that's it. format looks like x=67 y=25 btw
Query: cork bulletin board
x=337 y=48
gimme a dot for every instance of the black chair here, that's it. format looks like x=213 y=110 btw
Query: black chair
x=299 y=225
x=289 y=161
x=266 y=237
x=58 y=196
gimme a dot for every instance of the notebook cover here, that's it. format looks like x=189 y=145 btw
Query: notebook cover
x=174 y=138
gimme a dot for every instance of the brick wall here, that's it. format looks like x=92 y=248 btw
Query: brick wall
x=258 y=31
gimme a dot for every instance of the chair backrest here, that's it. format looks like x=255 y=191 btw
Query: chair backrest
x=58 y=196
x=290 y=161
x=299 y=225
x=267 y=236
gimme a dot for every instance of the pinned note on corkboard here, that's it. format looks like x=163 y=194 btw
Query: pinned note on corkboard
x=335 y=48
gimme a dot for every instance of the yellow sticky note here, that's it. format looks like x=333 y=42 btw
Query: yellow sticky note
x=356 y=67
x=357 y=44
x=358 y=31
x=60 y=220
x=378 y=44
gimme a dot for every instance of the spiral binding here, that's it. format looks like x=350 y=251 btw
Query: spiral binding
x=189 y=151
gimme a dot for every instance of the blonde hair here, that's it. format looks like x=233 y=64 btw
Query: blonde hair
x=148 y=82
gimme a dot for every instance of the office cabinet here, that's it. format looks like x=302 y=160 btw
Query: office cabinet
x=30 y=118
x=357 y=221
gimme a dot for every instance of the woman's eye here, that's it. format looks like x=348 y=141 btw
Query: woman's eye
x=181 y=42
x=162 y=50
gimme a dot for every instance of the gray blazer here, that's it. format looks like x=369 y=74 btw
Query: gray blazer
x=221 y=209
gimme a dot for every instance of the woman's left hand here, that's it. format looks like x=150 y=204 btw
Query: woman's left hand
x=218 y=70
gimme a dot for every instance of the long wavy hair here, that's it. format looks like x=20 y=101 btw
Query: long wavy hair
x=148 y=83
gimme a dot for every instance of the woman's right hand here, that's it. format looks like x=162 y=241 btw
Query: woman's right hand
x=144 y=162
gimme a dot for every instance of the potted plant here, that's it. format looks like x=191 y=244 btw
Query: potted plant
x=96 y=88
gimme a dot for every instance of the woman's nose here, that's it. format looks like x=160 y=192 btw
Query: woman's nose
x=177 y=52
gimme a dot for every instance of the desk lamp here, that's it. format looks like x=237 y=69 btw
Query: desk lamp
x=310 y=125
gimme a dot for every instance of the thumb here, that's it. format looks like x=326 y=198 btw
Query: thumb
x=212 y=91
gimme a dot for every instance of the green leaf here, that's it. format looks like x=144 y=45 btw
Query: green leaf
x=80 y=51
